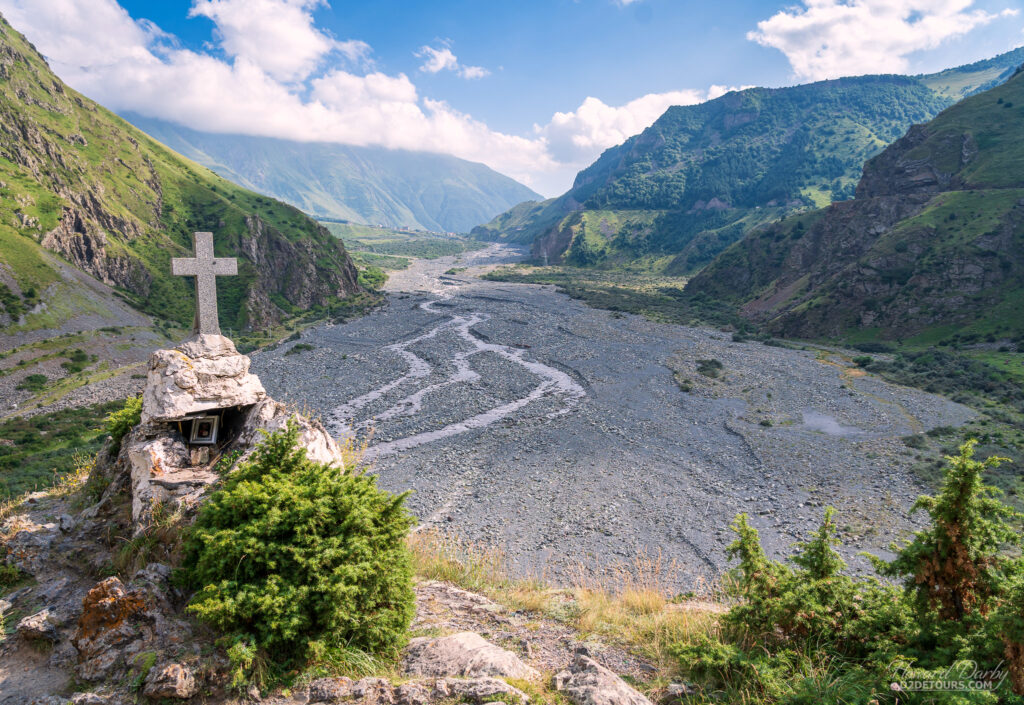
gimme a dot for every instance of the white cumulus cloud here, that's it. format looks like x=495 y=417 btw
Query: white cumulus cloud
x=303 y=92
x=276 y=35
x=579 y=136
x=832 y=38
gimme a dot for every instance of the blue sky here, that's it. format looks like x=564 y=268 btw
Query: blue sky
x=534 y=88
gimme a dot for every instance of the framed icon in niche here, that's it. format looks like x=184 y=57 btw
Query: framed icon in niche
x=204 y=430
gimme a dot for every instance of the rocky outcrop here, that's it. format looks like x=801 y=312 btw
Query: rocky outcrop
x=586 y=682
x=206 y=372
x=40 y=626
x=464 y=654
x=380 y=691
x=170 y=681
x=919 y=162
x=81 y=242
x=304 y=272
x=119 y=622
x=163 y=474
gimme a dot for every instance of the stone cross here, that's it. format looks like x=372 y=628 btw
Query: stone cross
x=205 y=268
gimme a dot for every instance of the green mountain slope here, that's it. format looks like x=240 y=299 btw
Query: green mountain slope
x=395 y=188
x=704 y=175
x=78 y=181
x=933 y=243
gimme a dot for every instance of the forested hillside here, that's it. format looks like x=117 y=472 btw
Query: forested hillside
x=934 y=240
x=674 y=196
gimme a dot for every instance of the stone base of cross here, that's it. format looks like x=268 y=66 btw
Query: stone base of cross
x=205 y=268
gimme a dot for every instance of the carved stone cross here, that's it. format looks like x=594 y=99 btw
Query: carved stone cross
x=205 y=268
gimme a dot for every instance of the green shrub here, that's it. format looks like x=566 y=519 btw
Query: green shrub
x=710 y=368
x=807 y=633
x=372 y=278
x=957 y=571
x=119 y=423
x=298 y=348
x=916 y=441
x=956 y=566
x=296 y=558
x=41 y=450
x=33 y=383
x=813 y=605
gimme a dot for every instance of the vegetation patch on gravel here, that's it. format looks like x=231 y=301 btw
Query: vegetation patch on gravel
x=36 y=452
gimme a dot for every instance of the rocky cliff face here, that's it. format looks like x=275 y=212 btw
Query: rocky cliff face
x=934 y=237
x=81 y=182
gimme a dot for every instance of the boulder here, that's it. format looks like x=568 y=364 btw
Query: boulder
x=270 y=416
x=119 y=622
x=478 y=690
x=379 y=691
x=170 y=681
x=586 y=682
x=205 y=372
x=412 y=694
x=89 y=699
x=330 y=690
x=373 y=691
x=109 y=621
x=463 y=654
x=40 y=626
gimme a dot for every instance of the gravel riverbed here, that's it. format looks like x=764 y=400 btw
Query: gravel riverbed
x=561 y=434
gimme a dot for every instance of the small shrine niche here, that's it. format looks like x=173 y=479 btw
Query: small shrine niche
x=202 y=388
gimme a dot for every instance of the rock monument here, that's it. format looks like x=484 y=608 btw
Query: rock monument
x=201 y=404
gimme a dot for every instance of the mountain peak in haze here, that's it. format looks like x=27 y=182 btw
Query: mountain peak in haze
x=374 y=185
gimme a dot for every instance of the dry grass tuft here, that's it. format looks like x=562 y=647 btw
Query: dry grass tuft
x=633 y=603
x=71 y=482
x=159 y=541
x=353 y=449
x=630 y=604
x=472 y=566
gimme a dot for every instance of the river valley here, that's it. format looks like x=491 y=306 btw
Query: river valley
x=561 y=434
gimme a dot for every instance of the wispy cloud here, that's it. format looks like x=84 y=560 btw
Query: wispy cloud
x=832 y=38
x=442 y=58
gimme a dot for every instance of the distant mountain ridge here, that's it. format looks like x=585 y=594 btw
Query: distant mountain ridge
x=78 y=181
x=680 y=192
x=372 y=185
x=933 y=241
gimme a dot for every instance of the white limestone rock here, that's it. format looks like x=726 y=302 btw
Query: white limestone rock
x=40 y=626
x=586 y=682
x=171 y=681
x=162 y=473
x=464 y=654
x=205 y=372
x=270 y=416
